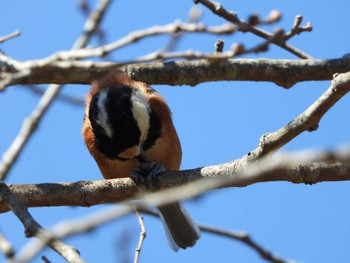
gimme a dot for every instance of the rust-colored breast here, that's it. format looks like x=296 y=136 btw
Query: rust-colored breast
x=166 y=150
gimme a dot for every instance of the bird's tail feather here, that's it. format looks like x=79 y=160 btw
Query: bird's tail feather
x=181 y=230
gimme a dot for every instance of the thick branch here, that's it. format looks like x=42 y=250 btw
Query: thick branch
x=282 y=72
x=89 y=193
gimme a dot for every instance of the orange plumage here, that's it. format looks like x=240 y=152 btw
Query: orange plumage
x=167 y=150
x=125 y=108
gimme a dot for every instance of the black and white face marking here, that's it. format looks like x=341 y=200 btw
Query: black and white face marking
x=102 y=115
x=122 y=122
x=141 y=113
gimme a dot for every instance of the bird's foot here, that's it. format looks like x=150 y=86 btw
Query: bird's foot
x=146 y=173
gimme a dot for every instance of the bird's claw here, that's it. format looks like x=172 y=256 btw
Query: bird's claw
x=146 y=173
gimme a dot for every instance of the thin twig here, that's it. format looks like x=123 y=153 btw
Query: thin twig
x=76 y=101
x=273 y=17
x=31 y=123
x=9 y=36
x=242 y=237
x=193 y=17
x=242 y=26
x=247 y=240
x=142 y=236
x=297 y=29
x=135 y=36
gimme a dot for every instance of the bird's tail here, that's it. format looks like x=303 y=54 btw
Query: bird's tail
x=181 y=230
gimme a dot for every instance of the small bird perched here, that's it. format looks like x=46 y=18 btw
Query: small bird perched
x=127 y=123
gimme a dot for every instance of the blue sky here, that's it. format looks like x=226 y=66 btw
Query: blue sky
x=216 y=122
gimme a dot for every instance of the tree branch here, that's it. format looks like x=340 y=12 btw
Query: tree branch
x=33 y=228
x=242 y=237
x=87 y=193
x=306 y=121
x=142 y=236
x=247 y=240
x=90 y=193
x=242 y=26
x=213 y=67
x=10 y=36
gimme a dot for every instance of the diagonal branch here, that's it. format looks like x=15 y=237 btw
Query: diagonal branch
x=33 y=228
x=10 y=36
x=242 y=26
x=306 y=121
x=247 y=240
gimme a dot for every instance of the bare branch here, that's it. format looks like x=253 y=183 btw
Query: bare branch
x=247 y=240
x=242 y=26
x=212 y=67
x=77 y=226
x=306 y=121
x=33 y=228
x=31 y=123
x=76 y=101
x=90 y=193
x=273 y=17
x=135 y=36
x=193 y=17
x=142 y=237
x=266 y=169
x=10 y=36
x=297 y=29
x=238 y=236
x=121 y=189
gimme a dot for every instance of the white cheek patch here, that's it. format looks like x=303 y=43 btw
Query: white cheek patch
x=102 y=116
x=140 y=111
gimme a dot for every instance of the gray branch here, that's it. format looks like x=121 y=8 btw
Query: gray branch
x=208 y=67
x=90 y=193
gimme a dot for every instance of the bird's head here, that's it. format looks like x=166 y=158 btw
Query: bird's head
x=123 y=122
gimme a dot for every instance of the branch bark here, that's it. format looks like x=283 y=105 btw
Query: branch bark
x=212 y=67
x=90 y=193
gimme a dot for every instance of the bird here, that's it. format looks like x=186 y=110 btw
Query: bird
x=127 y=123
